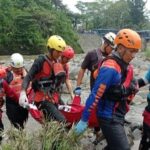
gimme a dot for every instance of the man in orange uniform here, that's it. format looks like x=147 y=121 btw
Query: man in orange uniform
x=113 y=72
x=5 y=90
x=15 y=75
x=44 y=73
x=67 y=55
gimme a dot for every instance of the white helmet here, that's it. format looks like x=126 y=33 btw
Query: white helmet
x=109 y=37
x=17 y=60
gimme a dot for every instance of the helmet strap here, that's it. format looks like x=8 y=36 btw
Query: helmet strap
x=121 y=53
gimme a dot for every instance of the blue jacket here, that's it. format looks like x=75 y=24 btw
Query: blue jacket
x=109 y=74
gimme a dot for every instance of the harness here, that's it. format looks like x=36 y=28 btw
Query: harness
x=16 y=82
x=50 y=83
x=117 y=92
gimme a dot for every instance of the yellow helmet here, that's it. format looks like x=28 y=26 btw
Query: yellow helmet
x=56 y=42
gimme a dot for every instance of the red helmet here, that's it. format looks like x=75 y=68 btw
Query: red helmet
x=3 y=73
x=68 y=52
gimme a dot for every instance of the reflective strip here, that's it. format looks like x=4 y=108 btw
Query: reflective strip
x=99 y=94
x=112 y=64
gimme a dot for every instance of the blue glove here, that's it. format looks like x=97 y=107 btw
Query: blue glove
x=80 y=127
x=77 y=91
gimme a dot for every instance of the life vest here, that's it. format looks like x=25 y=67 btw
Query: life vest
x=47 y=81
x=126 y=79
x=17 y=80
x=126 y=75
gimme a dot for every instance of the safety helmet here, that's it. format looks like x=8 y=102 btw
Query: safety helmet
x=128 y=38
x=109 y=37
x=68 y=52
x=3 y=73
x=56 y=42
x=17 y=60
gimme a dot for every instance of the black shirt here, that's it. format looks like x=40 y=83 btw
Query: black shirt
x=90 y=62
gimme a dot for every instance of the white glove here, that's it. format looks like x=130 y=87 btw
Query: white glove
x=23 y=100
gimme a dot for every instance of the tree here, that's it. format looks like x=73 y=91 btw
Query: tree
x=26 y=25
x=113 y=14
x=137 y=8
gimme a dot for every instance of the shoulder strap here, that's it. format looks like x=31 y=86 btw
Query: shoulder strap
x=49 y=62
x=122 y=65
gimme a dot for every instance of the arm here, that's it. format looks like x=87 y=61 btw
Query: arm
x=101 y=84
x=9 y=92
x=80 y=76
x=68 y=82
x=84 y=66
x=69 y=86
x=35 y=69
x=144 y=81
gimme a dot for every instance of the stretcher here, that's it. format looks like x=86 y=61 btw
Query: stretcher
x=72 y=113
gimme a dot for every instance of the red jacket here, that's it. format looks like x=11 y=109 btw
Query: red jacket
x=6 y=90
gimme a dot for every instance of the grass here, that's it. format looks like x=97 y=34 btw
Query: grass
x=53 y=136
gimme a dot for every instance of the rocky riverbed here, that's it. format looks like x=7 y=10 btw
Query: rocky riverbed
x=134 y=116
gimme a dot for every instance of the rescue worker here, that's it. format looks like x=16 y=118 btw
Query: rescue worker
x=15 y=75
x=93 y=58
x=5 y=90
x=66 y=56
x=113 y=71
x=145 y=141
x=43 y=76
x=91 y=62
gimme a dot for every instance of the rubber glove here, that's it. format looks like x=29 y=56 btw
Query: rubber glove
x=77 y=90
x=80 y=127
x=23 y=100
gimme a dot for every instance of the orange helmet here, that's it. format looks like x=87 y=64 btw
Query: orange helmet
x=3 y=73
x=128 y=38
x=68 y=52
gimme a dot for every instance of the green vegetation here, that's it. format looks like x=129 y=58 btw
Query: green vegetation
x=26 y=25
x=52 y=136
x=114 y=14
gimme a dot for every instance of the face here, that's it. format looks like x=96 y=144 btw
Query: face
x=17 y=70
x=65 y=60
x=106 y=48
x=127 y=54
x=56 y=54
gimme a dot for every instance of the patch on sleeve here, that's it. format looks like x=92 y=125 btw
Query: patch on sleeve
x=111 y=64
